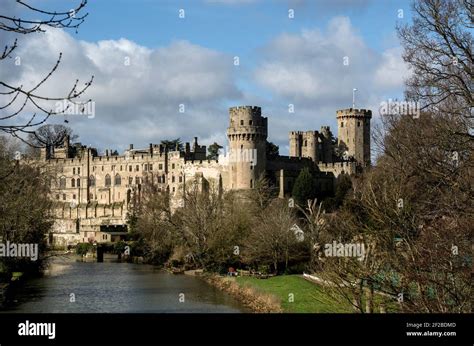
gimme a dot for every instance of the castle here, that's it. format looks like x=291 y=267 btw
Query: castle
x=93 y=193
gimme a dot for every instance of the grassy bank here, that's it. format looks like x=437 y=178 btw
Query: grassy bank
x=305 y=296
x=255 y=300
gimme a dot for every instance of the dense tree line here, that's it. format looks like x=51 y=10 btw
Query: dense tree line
x=25 y=209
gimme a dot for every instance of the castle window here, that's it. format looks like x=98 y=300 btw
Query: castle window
x=78 y=182
x=172 y=166
x=241 y=122
x=74 y=170
x=358 y=124
x=137 y=180
x=159 y=180
x=251 y=183
x=107 y=181
x=250 y=122
x=172 y=179
x=180 y=179
x=130 y=180
x=78 y=170
x=73 y=182
x=62 y=183
x=305 y=143
x=150 y=167
x=102 y=168
x=118 y=180
x=342 y=123
x=57 y=196
x=120 y=168
x=73 y=196
x=160 y=166
x=174 y=189
x=137 y=168
x=92 y=180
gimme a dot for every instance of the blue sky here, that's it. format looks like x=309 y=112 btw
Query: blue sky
x=190 y=61
x=236 y=28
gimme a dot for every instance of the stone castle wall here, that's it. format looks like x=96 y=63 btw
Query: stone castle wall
x=93 y=193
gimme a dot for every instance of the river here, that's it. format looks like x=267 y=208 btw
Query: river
x=72 y=286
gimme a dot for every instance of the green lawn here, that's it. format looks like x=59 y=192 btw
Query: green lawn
x=308 y=297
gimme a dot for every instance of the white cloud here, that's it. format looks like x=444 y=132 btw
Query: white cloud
x=392 y=71
x=307 y=69
x=136 y=103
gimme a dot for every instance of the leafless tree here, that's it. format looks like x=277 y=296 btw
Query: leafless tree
x=438 y=48
x=15 y=98
x=272 y=240
x=413 y=212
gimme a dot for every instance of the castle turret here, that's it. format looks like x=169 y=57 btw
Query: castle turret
x=354 y=133
x=247 y=134
x=296 y=138
x=327 y=147
x=304 y=144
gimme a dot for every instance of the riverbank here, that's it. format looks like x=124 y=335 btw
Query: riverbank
x=284 y=293
x=253 y=299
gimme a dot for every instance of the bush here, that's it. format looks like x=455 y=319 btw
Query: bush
x=84 y=248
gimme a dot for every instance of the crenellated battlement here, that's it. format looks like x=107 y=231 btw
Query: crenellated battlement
x=354 y=112
x=252 y=111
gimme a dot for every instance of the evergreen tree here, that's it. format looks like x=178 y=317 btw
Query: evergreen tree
x=305 y=187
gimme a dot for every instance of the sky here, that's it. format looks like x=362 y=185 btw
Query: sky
x=167 y=68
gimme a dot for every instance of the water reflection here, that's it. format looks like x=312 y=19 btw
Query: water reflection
x=116 y=287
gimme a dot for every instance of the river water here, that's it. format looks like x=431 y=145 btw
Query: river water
x=72 y=286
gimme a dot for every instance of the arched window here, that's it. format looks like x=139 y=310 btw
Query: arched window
x=107 y=181
x=91 y=180
x=78 y=182
x=118 y=180
x=62 y=183
x=73 y=182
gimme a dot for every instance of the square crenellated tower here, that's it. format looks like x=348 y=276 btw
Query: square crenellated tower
x=354 y=134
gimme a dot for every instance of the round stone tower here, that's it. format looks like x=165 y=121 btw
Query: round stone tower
x=353 y=133
x=247 y=134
